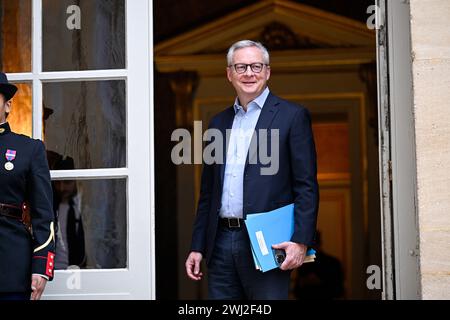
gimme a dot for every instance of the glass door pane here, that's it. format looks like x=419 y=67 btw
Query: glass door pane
x=15 y=36
x=83 y=34
x=92 y=222
x=87 y=122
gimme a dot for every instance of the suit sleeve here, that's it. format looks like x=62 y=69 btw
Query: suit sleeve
x=304 y=171
x=204 y=206
x=40 y=197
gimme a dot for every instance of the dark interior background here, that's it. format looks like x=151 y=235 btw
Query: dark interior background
x=172 y=18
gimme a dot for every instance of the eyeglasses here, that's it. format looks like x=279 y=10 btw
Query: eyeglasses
x=256 y=67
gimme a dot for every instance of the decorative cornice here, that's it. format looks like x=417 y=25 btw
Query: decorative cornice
x=278 y=36
x=315 y=27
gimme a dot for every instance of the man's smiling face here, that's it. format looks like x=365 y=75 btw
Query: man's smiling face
x=249 y=84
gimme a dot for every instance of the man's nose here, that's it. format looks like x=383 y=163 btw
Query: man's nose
x=248 y=71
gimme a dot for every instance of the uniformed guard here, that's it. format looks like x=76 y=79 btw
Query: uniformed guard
x=27 y=236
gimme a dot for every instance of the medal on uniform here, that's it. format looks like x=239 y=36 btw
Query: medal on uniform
x=10 y=156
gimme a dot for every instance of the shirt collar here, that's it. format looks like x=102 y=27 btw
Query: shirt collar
x=4 y=128
x=259 y=100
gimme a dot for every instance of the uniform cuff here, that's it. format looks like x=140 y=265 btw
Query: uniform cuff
x=41 y=275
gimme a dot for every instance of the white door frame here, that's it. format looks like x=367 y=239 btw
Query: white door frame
x=137 y=281
x=400 y=233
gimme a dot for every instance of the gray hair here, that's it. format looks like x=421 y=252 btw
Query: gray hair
x=247 y=44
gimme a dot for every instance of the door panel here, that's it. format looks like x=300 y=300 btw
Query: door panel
x=85 y=89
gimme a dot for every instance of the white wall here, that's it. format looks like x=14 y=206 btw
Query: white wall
x=430 y=36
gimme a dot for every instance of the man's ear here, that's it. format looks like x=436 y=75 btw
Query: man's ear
x=229 y=74
x=8 y=106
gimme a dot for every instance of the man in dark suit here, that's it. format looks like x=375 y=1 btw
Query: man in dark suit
x=239 y=185
x=70 y=244
x=26 y=252
x=70 y=248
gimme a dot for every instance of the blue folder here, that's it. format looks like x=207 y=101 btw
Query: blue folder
x=269 y=228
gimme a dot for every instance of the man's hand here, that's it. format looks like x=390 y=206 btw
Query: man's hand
x=37 y=286
x=193 y=265
x=295 y=254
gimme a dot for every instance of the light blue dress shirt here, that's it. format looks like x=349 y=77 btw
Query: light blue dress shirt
x=241 y=134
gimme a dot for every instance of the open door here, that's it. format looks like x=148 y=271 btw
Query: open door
x=89 y=94
x=397 y=152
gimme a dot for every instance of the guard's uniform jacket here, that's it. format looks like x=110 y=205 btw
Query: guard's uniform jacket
x=24 y=178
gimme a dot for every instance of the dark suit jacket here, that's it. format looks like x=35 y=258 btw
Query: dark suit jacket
x=295 y=182
x=20 y=253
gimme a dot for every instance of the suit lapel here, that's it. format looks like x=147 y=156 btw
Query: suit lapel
x=265 y=119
